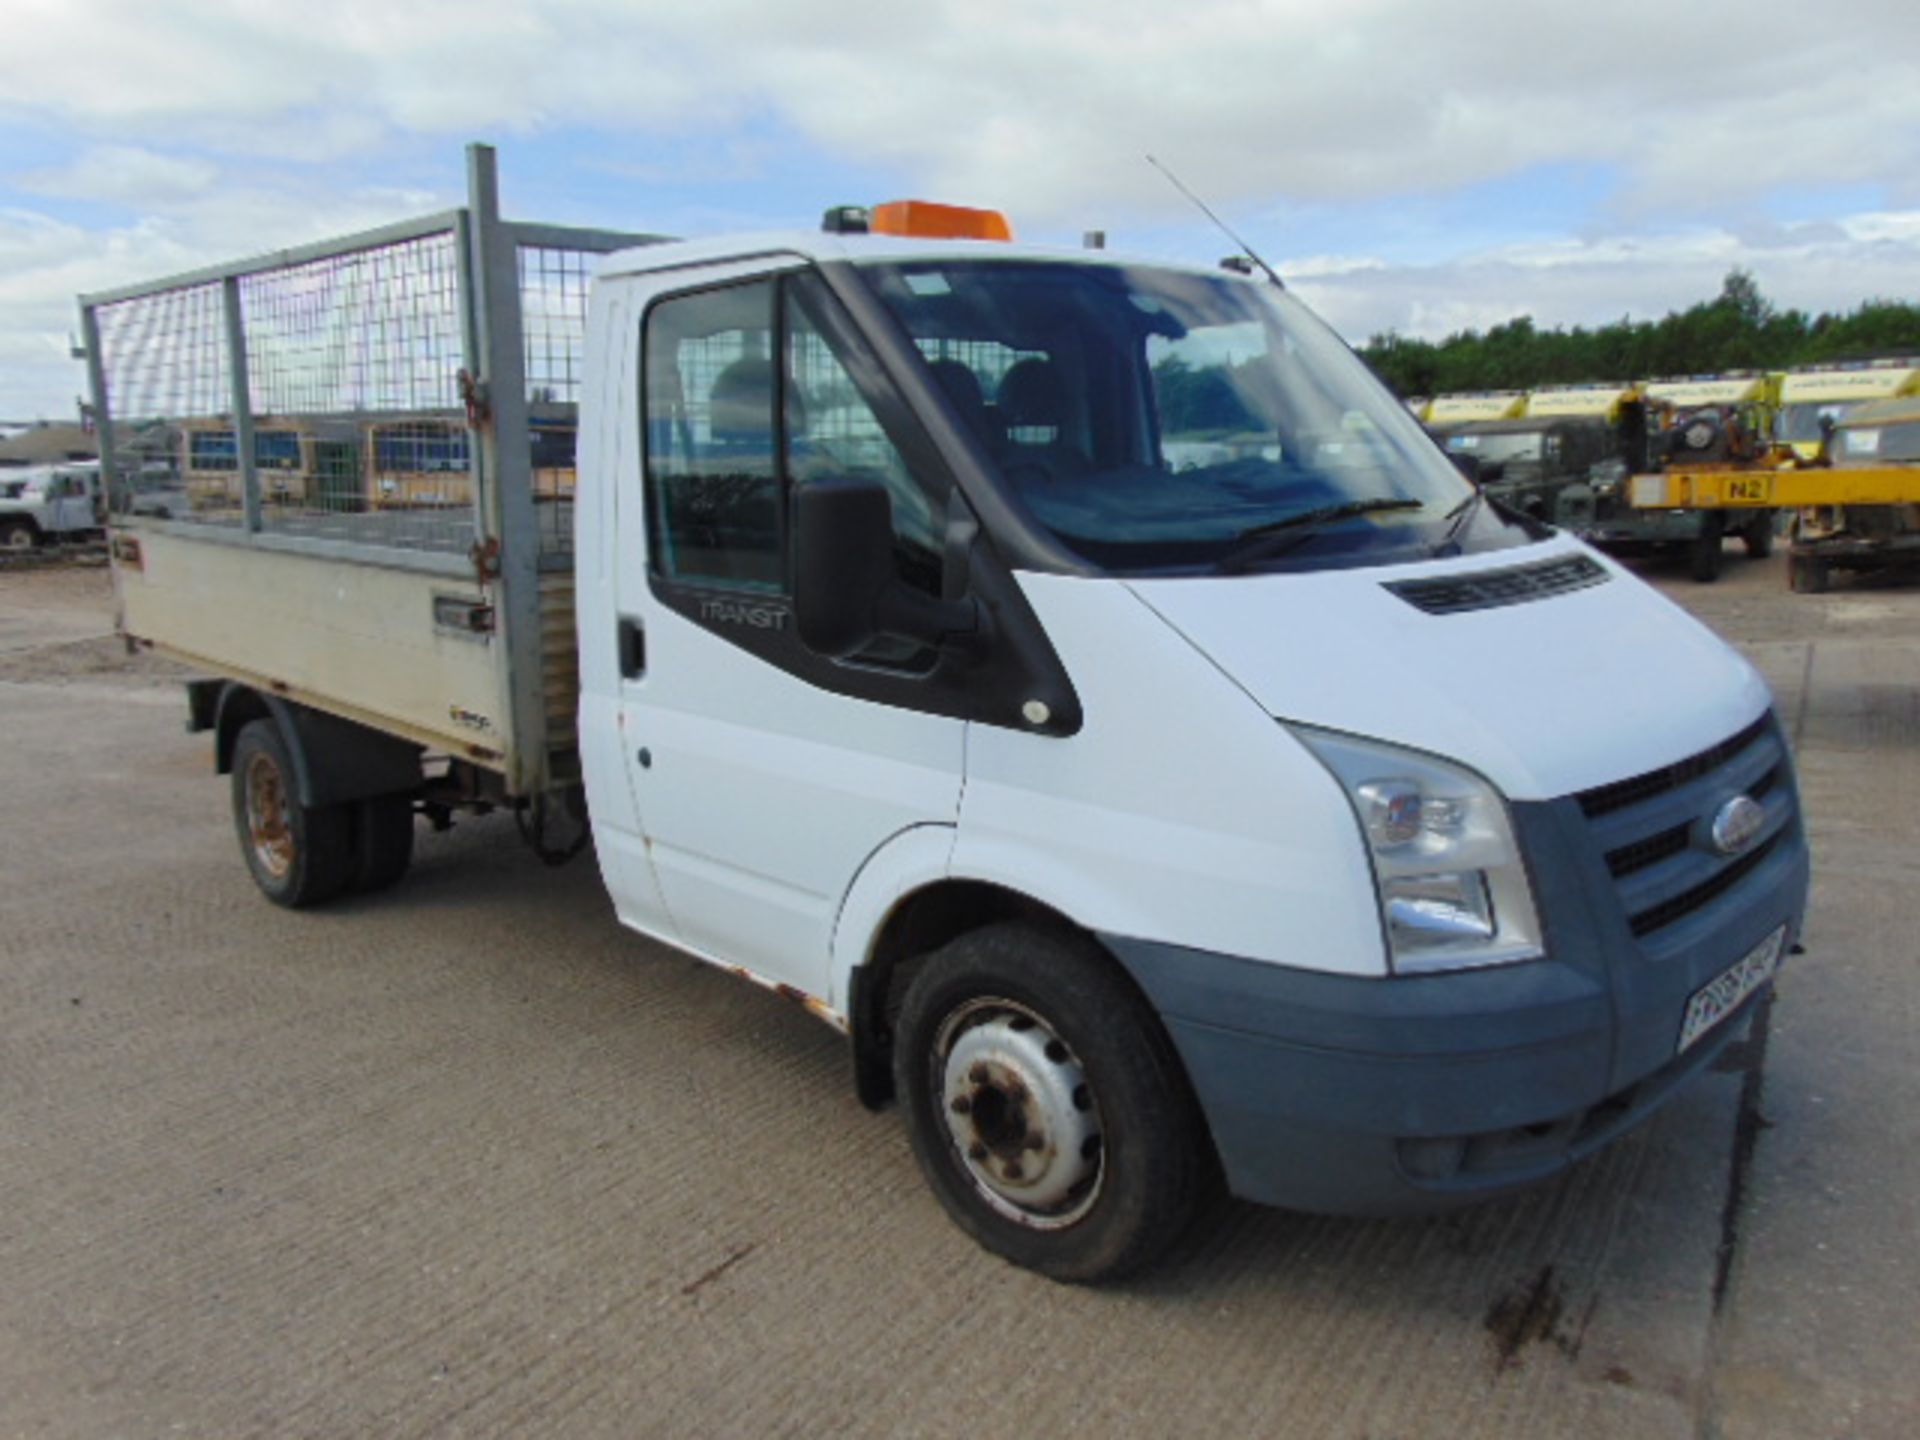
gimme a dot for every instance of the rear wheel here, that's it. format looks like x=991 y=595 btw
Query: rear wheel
x=1758 y=536
x=299 y=855
x=17 y=536
x=383 y=841
x=1046 y=1105
x=1705 y=558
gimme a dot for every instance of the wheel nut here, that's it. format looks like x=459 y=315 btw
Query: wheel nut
x=979 y=1075
x=962 y=1104
x=1036 y=1142
x=1013 y=1170
x=976 y=1151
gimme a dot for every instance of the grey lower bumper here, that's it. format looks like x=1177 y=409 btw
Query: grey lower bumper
x=1360 y=1096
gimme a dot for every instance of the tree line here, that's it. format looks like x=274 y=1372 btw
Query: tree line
x=1739 y=329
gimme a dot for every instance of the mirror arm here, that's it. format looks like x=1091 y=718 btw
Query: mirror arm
x=961 y=626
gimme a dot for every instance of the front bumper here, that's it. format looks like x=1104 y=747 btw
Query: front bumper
x=1350 y=1095
x=1628 y=528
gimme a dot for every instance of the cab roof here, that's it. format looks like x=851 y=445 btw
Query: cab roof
x=1903 y=410
x=818 y=246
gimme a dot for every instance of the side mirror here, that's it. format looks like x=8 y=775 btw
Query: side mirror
x=845 y=592
x=842 y=562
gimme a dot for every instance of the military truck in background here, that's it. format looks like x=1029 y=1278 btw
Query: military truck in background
x=1550 y=454
x=1859 y=537
x=1692 y=421
x=1816 y=397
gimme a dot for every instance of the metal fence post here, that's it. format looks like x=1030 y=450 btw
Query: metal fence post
x=242 y=401
x=102 y=414
x=506 y=469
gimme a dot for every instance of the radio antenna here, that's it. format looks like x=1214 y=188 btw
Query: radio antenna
x=1226 y=229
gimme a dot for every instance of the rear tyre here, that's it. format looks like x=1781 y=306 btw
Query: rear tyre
x=1706 y=556
x=1807 y=576
x=1758 y=536
x=383 y=841
x=17 y=537
x=1046 y=1105
x=299 y=855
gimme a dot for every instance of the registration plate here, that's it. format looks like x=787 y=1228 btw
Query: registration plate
x=1719 y=997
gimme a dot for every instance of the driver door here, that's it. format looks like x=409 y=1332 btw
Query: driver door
x=765 y=776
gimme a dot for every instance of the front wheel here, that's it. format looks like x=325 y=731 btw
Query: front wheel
x=1707 y=554
x=1806 y=575
x=1046 y=1105
x=17 y=536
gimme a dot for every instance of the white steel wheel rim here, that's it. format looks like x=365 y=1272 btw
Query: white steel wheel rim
x=1018 y=1113
x=18 y=537
x=267 y=827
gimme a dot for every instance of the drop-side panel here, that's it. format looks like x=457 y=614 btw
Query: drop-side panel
x=361 y=641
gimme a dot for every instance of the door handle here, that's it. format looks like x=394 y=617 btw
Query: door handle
x=633 y=648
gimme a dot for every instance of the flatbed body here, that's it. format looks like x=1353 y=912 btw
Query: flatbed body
x=374 y=437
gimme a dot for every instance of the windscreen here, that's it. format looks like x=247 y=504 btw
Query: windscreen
x=1507 y=448
x=1801 y=421
x=1157 y=420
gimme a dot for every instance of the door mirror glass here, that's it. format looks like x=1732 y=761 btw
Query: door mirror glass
x=842 y=561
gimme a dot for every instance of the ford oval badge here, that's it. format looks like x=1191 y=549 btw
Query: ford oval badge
x=1736 y=823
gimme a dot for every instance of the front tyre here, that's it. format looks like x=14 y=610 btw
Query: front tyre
x=1046 y=1105
x=1705 y=555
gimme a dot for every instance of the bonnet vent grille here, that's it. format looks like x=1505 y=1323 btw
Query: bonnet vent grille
x=1490 y=589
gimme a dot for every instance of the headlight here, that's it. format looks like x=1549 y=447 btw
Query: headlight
x=1453 y=892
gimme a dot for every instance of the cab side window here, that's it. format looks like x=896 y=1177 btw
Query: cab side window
x=712 y=454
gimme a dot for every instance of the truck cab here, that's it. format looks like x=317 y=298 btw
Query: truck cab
x=1814 y=398
x=1542 y=466
x=1079 y=681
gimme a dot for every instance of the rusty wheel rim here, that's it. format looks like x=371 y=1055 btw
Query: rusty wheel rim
x=267 y=827
x=1019 y=1113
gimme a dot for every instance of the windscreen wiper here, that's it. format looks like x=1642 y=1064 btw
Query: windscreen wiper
x=1277 y=537
x=1459 y=516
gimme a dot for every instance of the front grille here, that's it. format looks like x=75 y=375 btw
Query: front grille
x=1651 y=851
x=1646 y=826
x=1491 y=589
x=1605 y=799
x=1658 y=916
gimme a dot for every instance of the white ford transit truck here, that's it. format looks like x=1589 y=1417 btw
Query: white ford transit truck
x=1074 y=678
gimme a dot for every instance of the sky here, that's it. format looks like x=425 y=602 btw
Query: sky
x=1408 y=165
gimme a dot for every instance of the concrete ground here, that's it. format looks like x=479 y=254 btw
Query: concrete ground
x=469 y=1159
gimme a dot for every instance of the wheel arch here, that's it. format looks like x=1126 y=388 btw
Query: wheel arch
x=334 y=760
x=920 y=921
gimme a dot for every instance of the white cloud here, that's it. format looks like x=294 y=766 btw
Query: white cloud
x=1046 y=107
x=126 y=175
x=1587 y=282
x=209 y=121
